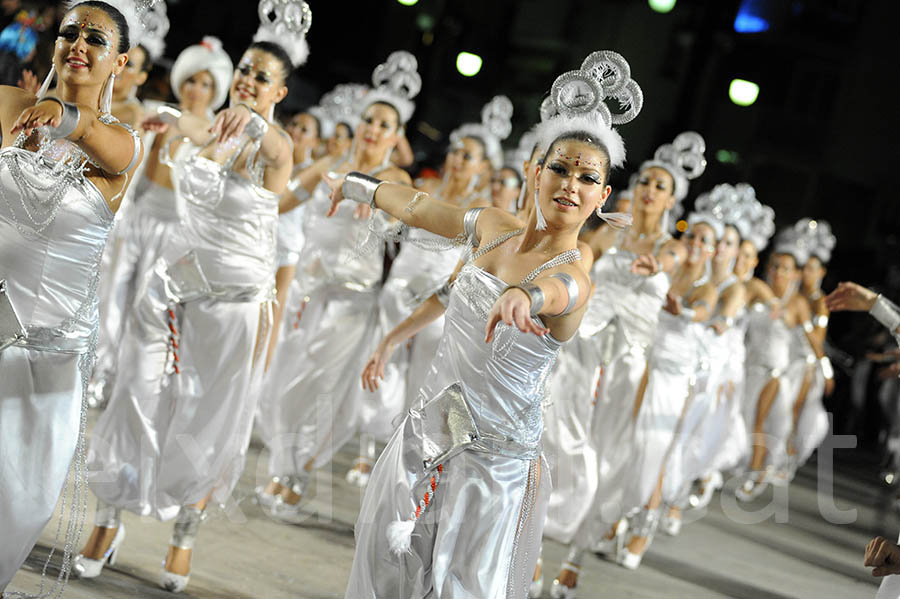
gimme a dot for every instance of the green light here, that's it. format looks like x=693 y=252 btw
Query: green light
x=468 y=64
x=662 y=6
x=743 y=92
x=408 y=2
x=727 y=156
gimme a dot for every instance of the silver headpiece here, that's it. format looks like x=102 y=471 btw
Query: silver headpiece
x=736 y=205
x=208 y=55
x=133 y=11
x=285 y=22
x=340 y=105
x=495 y=126
x=577 y=102
x=156 y=27
x=683 y=159
x=396 y=82
x=805 y=239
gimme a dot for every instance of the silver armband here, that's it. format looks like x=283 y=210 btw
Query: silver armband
x=67 y=123
x=821 y=321
x=168 y=114
x=808 y=326
x=885 y=313
x=688 y=314
x=827 y=369
x=534 y=294
x=469 y=222
x=257 y=126
x=571 y=288
x=360 y=187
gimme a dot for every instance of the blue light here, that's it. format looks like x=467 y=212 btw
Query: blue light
x=752 y=17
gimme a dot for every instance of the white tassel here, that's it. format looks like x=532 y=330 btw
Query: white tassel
x=106 y=98
x=399 y=535
x=616 y=220
x=47 y=82
x=541 y=221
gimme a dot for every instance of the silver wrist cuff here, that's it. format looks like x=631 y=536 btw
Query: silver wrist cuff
x=808 y=326
x=827 y=369
x=67 y=123
x=360 y=187
x=534 y=294
x=168 y=114
x=821 y=321
x=571 y=288
x=257 y=126
x=688 y=314
x=885 y=313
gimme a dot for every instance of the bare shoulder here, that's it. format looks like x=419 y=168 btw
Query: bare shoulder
x=396 y=175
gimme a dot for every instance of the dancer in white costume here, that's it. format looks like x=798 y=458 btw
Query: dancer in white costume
x=311 y=406
x=613 y=341
x=201 y=76
x=113 y=291
x=177 y=427
x=770 y=393
x=65 y=164
x=720 y=442
x=420 y=269
x=461 y=515
x=817 y=377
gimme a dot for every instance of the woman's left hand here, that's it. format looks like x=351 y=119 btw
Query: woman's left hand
x=335 y=184
x=42 y=114
x=231 y=122
x=513 y=307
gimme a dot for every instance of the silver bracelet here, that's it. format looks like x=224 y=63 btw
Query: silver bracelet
x=821 y=321
x=827 y=369
x=885 y=313
x=257 y=126
x=571 y=288
x=808 y=326
x=534 y=294
x=67 y=122
x=168 y=114
x=360 y=187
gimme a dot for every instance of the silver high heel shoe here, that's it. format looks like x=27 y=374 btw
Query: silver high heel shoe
x=613 y=546
x=643 y=525
x=290 y=512
x=183 y=535
x=561 y=591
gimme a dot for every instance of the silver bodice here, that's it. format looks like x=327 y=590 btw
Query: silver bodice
x=53 y=227
x=768 y=341
x=504 y=380
x=230 y=224
x=633 y=300
x=332 y=254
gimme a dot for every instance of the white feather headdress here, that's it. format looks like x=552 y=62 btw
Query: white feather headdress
x=156 y=27
x=805 y=239
x=396 y=82
x=285 y=22
x=495 y=126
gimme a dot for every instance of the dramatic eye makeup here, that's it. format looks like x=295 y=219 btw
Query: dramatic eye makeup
x=93 y=36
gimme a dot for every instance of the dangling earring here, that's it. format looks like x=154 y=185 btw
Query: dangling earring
x=473 y=183
x=106 y=98
x=45 y=86
x=665 y=221
x=520 y=201
x=271 y=114
x=541 y=221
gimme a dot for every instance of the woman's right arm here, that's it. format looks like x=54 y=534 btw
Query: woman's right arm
x=12 y=102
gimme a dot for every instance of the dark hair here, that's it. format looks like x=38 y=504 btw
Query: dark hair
x=347 y=125
x=278 y=52
x=392 y=107
x=583 y=137
x=117 y=17
x=481 y=142
x=148 y=60
x=316 y=119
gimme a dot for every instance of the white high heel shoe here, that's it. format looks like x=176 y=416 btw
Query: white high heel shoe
x=613 y=546
x=85 y=567
x=561 y=591
x=183 y=535
x=172 y=582
x=537 y=586
x=671 y=525
x=629 y=560
x=355 y=476
x=708 y=486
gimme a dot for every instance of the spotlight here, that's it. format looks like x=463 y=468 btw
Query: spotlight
x=752 y=16
x=662 y=6
x=468 y=64
x=408 y=2
x=743 y=92
x=681 y=226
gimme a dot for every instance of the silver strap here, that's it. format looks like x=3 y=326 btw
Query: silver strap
x=571 y=288
x=186 y=527
x=688 y=314
x=136 y=153
x=886 y=313
x=470 y=220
